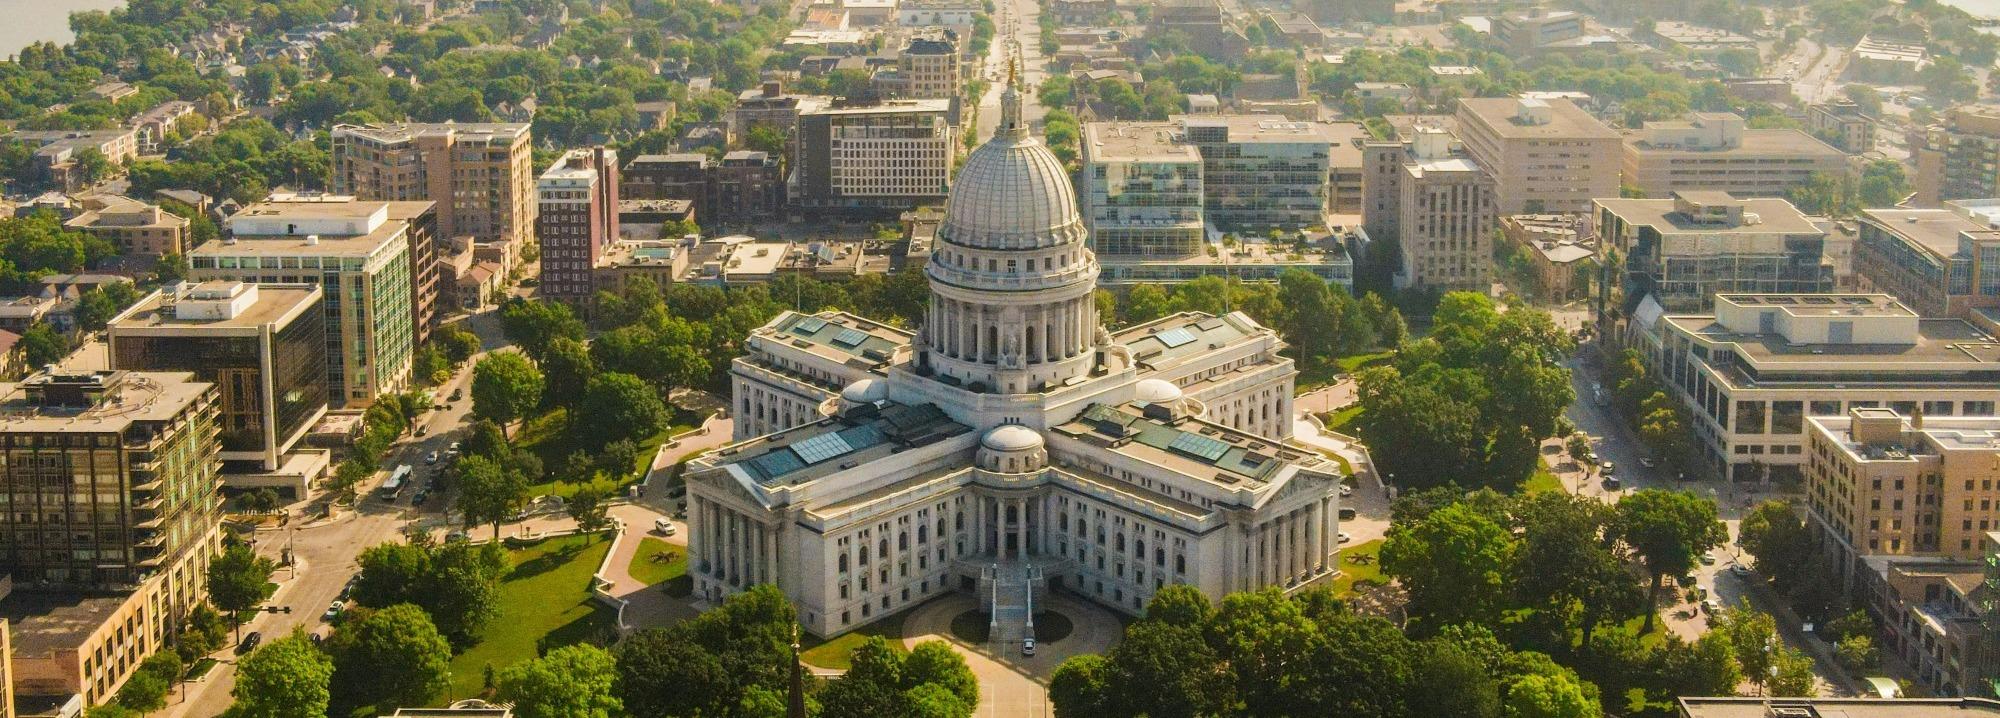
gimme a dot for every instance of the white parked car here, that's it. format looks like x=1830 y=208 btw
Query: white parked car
x=663 y=526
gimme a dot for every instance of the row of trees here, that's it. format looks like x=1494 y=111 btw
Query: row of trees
x=1265 y=654
x=1662 y=424
x=1469 y=404
x=1320 y=319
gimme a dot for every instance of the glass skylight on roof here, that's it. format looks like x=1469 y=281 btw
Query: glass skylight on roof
x=821 y=448
x=809 y=325
x=850 y=337
x=777 y=463
x=1176 y=336
x=1199 y=446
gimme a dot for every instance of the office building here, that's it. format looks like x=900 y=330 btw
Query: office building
x=1684 y=250
x=1263 y=171
x=1525 y=32
x=1751 y=372
x=1548 y=156
x=1142 y=191
x=1886 y=61
x=1843 y=124
x=768 y=105
x=743 y=186
x=1692 y=39
x=986 y=452
x=577 y=218
x=140 y=231
x=928 y=69
x=1939 y=262
x=1960 y=158
x=1714 y=151
x=680 y=175
x=262 y=346
x=874 y=156
x=481 y=175
x=123 y=465
x=360 y=255
x=1437 y=204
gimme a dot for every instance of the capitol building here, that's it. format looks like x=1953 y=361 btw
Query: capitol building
x=1011 y=445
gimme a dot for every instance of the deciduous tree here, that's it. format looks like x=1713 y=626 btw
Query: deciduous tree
x=286 y=678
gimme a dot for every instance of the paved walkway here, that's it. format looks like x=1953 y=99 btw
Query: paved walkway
x=646 y=606
x=1010 y=684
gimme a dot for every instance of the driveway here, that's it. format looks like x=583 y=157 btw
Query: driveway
x=1010 y=684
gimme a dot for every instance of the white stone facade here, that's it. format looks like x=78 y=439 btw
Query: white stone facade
x=1011 y=444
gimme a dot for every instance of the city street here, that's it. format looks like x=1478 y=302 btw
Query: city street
x=1017 y=22
x=326 y=549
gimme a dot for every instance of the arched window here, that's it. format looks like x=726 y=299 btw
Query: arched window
x=1118 y=542
x=862 y=555
x=1139 y=548
x=903 y=540
x=843 y=563
x=883 y=549
x=1180 y=563
x=923 y=533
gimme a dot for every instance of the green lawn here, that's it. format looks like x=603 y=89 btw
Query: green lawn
x=650 y=571
x=544 y=600
x=1369 y=568
x=1543 y=482
x=544 y=436
x=1343 y=419
x=1356 y=362
x=834 y=654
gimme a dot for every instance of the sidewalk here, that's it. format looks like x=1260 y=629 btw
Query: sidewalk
x=646 y=606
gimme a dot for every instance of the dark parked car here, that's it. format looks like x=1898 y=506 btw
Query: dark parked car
x=249 y=643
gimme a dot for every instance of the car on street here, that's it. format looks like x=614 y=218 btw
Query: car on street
x=1711 y=605
x=249 y=643
x=1608 y=468
x=1027 y=646
x=1740 y=570
x=348 y=588
x=1649 y=462
x=456 y=394
x=664 y=527
x=1613 y=483
x=456 y=447
x=1345 y=537
x=1346 y=490
x=1347 y=513
x=333 y=611
x=423 y=429
x=1708 y=559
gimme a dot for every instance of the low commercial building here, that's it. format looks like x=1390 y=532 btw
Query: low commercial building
x=90 y=601
x=1940 y=262
x=1886 y=61
x=1693 y=39
x=262 y=346
x=139 y=230
x=662 y=261
x=1716 y=151
x=360 y=255
x=1546 y=155
x=57 y=151
x=1561 y=259
x=1754 y=370
x=1685 y=250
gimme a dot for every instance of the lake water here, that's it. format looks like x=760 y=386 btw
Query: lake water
x=31 y=21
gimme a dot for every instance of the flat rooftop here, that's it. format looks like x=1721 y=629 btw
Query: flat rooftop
x=1190 y=447
x=1138 y=142
x=1941 y=345
x=274 y=302
x=805 y=453
x=1822 y=305
x=325 y=245
x=1275 y=128
x=131 y=396
x=839 y=336
x=1775 y=216
x=1754 y=142
x=1165 y=341
x=884 y=107
x=44 y=621
x=1842 y=707
x=404 y=131
x=1935 y=230
x=1566 y=120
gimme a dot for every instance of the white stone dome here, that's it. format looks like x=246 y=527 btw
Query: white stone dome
x=1012 y=437
x=865 y=391
x=1012 y=192
x=1156 y=391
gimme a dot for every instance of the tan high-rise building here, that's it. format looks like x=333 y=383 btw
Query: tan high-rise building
x=929 y=69
x=481 y=175
x=1547 y=155
x=1716 y=151
x=1885 y=484
x=1444 y=215
x=1959 y=159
